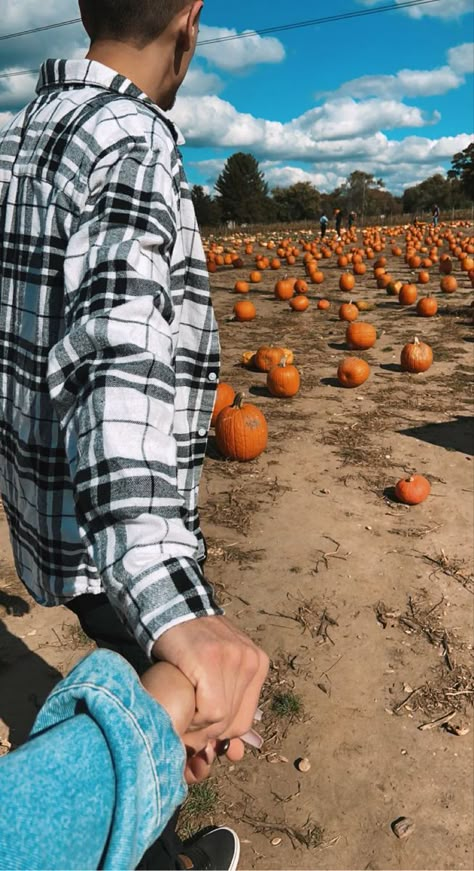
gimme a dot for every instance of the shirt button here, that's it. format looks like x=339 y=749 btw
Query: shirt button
x=202 y=432
x=212 y=376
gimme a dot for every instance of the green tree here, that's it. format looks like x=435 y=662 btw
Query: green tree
x=421 y=197
x=299 y=202
x=243 y=190
x=463 y=169
x=207 y=209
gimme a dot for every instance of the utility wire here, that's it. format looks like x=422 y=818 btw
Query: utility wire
x=343 y=16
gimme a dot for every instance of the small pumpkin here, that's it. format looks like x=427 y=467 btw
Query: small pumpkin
x=348 y=311
x=299 y=303
x=426 y=307
x=241 y=287
x=408 y=294
x=225 y=395
x=324 y=304
x=300 y=286
x=416 y=356
x=255 y=277
x=365 y=306
x=283 y=380
x=248 y=359
x=412 y=490
x=241 y=431
x=352 y=371
x=244 y=310
x=268 y=356
x=360 y=336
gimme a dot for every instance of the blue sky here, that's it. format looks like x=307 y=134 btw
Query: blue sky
x=390 y=93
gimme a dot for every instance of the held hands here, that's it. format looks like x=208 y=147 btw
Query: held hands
x=176 y=695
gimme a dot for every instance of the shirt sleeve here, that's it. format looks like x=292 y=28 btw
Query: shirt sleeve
x=111 y=379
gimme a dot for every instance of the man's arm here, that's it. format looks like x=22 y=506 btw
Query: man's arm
x=112 y=381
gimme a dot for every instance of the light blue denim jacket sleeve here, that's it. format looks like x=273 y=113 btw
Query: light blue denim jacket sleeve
x=98 y=779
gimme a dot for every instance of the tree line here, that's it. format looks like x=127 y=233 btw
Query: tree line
x=243 y=195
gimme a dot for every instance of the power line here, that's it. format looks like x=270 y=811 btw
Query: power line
x=343 y=16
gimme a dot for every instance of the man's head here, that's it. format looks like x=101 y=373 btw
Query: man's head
x=157 y=35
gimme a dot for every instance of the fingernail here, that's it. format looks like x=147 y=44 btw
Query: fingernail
x=258 y=715
x=253 y=738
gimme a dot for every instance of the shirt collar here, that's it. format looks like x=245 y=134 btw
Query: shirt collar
x=57 y=74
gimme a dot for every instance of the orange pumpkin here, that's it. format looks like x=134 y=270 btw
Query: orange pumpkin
x=412 y=490
x=284 y=288
x=244 y=310
x=255 y=277
x=448 y=284
x=352 y=371
x=346 y=282
x=300 y=286
x=268 y=356
x=323 y=304
x=348 y=311
x=283 y=380
x=317 y=277
x=241 y=431
x=416 y=356
x=408 y=294
x=299 y=303
x=225 y=395
x=360 y=336
x=426 y=307
x=241 y=287
x=248 y=359
x=423 y=277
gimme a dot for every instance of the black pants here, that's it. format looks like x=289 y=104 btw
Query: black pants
x=100 y=622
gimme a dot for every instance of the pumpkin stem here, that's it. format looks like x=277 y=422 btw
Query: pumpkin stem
x=416 y=340
x=239 y=400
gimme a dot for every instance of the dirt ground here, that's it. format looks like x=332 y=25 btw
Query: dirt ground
x=365 y=606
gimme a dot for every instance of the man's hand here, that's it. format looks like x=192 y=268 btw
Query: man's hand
x=226 y=669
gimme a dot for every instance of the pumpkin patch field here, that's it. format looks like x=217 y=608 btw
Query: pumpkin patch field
x=337 y=502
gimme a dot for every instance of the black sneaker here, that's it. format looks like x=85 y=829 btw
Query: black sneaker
x=218 y=850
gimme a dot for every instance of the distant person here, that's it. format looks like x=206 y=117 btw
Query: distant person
x=435 y=214
x=338 y=217
x=323 y=223
x=351 y=220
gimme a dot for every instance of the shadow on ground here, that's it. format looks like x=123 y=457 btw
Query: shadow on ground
x=454 y=435
x=25 y=678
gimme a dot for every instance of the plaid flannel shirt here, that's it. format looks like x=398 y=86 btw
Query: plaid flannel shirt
x=109 y=353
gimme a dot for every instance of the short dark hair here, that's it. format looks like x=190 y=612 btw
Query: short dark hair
x=137 y=21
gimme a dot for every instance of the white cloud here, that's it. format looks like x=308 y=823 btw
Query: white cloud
x=17 y=90
x=237 y=54
x=5 y=118
x=461 y=58
x=219 y=124
x=439 y=9
x=405 y=83
x=198 y=83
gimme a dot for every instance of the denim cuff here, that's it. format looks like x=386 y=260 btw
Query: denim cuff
x=148 y=757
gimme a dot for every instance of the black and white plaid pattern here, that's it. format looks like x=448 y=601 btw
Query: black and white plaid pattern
x=109 y=353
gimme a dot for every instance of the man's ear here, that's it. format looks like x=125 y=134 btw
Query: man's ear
x=192 y=24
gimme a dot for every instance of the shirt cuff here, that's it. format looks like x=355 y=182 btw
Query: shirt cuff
x=148 y=757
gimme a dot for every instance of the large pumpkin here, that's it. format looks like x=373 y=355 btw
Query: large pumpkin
x=284 y=288
x=416 y=356
x=283 y=380
x=241 y=431
x=412 y=490
x=225 y=395
x=346 y=282
x=244 y=310
x=268 y=356
x=352 y=371
x=361 y=336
